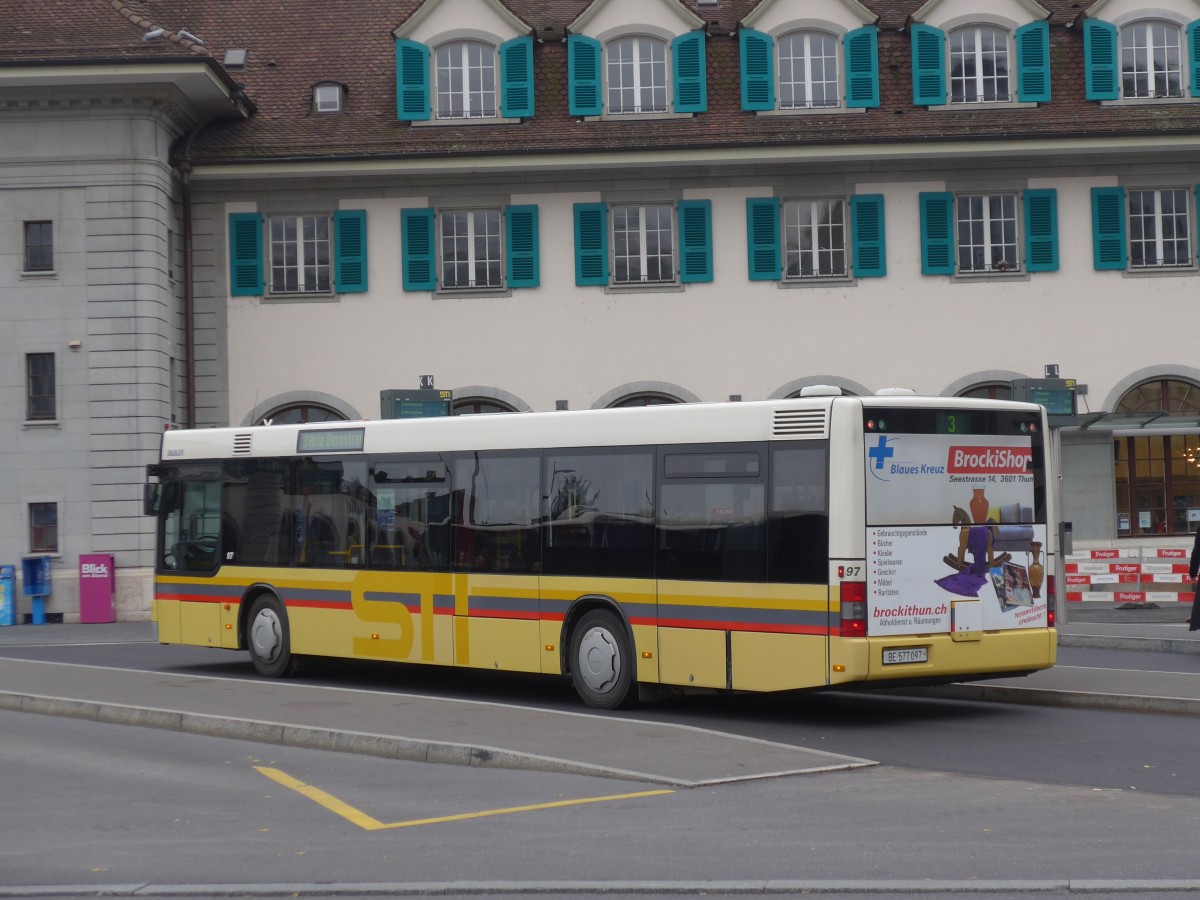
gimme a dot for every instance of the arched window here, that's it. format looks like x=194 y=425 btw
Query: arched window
x=465 y=80
x=808 y=70
x=1151 y=60
x=472 y=406
x=979 y=65
x=644 y=400
x=303 y=413
x=1158 y=475
x=637 y=75
x=999 y=390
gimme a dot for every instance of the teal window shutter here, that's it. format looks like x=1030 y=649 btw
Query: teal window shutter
x=591 y=243
x=762 y=239
x=1033 y=62
x=1193 y=43
x=1108 y=228
x=688 y=60
x=929 y=65
x=695 y=240
x=583 y=74
x=1041 y=230
x=937 y=233
x=521 y=246
x=1100 y=60
x=350 y=250
x=516 y=78
x=245 y=254
x=416 y=241
x=870 y=244
x=861 y=48
x=412 y=81
x=758 y=69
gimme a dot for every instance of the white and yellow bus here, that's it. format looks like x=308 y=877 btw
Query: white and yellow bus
x=813 y=542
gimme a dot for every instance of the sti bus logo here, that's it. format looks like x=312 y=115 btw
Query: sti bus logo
x=989 y=460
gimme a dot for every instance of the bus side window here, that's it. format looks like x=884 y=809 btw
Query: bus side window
x=798 y=529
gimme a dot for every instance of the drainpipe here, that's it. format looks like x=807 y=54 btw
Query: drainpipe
x=189 y=300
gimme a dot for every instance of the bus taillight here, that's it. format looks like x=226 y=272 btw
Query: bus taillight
x=1051 y=601
x=854 y=609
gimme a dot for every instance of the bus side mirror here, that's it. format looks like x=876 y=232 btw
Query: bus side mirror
x=151 y=497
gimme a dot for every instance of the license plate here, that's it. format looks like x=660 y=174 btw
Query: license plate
x=902 y=655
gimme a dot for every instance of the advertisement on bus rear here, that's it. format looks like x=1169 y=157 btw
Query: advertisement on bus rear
x=952 y=544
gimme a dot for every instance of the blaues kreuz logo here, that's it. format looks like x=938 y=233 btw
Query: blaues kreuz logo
x=878 y=456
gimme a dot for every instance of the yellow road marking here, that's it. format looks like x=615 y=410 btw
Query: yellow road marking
x=367 y=823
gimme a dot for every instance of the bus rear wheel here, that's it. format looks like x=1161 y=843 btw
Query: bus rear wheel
x=268 y=638
x=601 y=660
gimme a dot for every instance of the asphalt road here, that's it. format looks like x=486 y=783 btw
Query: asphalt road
x=1100 y=749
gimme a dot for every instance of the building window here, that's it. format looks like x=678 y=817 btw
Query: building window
x=644 y=400
x=39 y=247
x=1001 y=390
x=814 y=238
x=465 y=73
x=808 y=70
x=40 y=395
x=987 y=232
x=477 y=406
x=43 y=527
x=327 y=98
x=643 y=244
x=1158 y=476
x=303 y=413
x=1159 y=229
x=637 y=75
x=471 y=249
x=979 y=65
x=1151 y=61
x=300 y=255
x=972 y=234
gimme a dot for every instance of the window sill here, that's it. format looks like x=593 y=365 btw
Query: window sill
x=471 y=293
x=829 y=281
x=35 y=424
x=1150 y=101
x=473 y=123
x=301 y=298
x=637 y=117
x=645 y=288
x=33 y=276
x=812 y=111
x=1161 y=272
x=1015 y=275
x=980 y=105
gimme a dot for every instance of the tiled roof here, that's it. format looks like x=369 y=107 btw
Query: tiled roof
x=295 y=44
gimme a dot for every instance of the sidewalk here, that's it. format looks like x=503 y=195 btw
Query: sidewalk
x=406 y=726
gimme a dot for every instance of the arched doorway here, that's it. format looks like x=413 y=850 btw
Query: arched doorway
x=1158 y=475
x=998 y=390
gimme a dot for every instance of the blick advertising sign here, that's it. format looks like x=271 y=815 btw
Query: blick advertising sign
x=950 y=518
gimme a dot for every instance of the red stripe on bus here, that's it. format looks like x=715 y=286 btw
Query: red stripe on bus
x=196 y=598
x=316 y=604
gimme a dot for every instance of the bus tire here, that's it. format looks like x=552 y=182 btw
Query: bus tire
x=268 y=638
x=602 y=664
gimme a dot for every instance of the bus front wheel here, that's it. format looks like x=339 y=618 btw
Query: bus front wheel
x=268 y=638
x=601 y=660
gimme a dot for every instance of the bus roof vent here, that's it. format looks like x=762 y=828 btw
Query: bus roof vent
x=821 y=390
x=801 y=421
x=241 y=443
x=895 y=392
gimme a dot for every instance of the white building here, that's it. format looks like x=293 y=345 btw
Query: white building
x=591 y=203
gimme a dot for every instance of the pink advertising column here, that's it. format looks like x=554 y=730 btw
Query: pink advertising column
x=97 y=587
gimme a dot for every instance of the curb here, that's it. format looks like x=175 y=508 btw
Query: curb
x=613 y=888
x=1180 y=706
x=1121 y=642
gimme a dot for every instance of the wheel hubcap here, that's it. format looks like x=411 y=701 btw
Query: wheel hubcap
x=599 y=660
x=266 y=635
